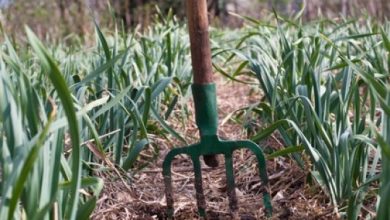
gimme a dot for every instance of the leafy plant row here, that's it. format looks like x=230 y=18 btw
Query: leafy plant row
x=326 y=91
x=68 y=112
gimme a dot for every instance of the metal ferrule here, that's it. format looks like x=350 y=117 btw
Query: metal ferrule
x=206 y=114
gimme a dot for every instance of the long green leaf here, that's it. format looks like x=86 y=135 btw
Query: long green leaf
x=66 y=99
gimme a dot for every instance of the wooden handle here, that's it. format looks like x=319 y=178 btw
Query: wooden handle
x=198 y=25
x=200 y=45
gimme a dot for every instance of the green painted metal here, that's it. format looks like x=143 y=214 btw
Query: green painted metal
x=206 y=115
x=210 y=144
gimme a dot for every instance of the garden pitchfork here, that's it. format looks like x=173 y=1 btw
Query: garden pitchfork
x=204 y=94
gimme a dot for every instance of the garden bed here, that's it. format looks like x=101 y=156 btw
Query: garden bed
x=142 y=195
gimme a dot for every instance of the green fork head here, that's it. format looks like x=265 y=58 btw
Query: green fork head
x=210 y=144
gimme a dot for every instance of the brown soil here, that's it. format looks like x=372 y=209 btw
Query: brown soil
x=140 y=195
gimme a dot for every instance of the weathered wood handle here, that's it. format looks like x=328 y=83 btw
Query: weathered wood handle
x=198 y=25
x=199 y=37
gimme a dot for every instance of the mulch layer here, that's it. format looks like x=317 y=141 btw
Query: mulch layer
x=140 y=194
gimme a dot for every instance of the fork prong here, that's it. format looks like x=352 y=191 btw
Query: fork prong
x=169 y=196
x=167 y=175
x=230 y=183
x=201 y=201
x=256 y=150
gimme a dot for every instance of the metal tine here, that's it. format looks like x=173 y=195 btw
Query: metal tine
x=201 y=201
x=167 y=174
x=169 y=195
x=231 y=192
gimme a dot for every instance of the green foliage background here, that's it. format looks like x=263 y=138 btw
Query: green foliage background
x=92 y=95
